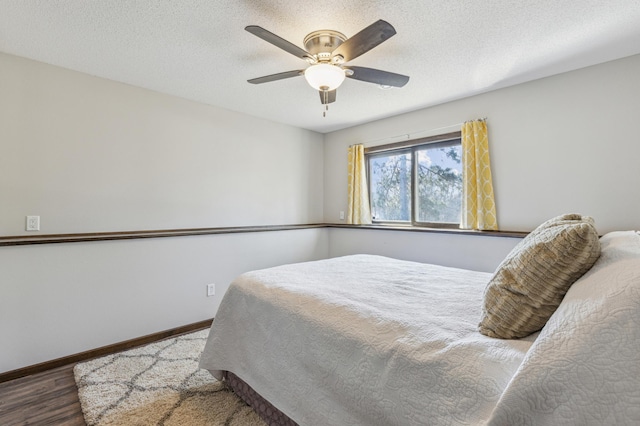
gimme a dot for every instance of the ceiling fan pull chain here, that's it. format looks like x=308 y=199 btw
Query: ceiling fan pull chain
x=325 y=94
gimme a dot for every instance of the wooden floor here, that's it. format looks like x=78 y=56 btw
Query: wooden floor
x=48 y=398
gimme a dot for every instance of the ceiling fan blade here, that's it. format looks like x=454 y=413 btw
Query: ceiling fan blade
x=327 y=97
x=365 y=40
x=275 y=77
x=371 y=75
x=278 y=41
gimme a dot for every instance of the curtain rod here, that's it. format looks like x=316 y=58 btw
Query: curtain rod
x=407 y=136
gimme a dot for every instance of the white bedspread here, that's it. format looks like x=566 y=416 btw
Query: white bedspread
x=364 y=340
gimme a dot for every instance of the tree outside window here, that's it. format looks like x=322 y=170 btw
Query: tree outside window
x=421 y=185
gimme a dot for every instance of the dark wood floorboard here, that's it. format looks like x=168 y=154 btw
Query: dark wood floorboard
x=48 y=398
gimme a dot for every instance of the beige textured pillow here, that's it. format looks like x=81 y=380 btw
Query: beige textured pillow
x=531 y=281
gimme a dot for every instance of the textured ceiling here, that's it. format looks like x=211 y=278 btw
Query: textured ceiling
x=199 y=50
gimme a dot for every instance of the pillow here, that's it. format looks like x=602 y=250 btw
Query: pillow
x=531 y=281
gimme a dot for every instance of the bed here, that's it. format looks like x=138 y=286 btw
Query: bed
x=370 y=340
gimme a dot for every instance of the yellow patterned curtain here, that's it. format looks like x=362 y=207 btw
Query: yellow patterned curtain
x=358 y=211
x=478 y=205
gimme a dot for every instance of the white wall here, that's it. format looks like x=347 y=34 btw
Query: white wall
x=475 y=252
x=89 y=155
x=61 y=299
x=563 y=144
x=92 y=155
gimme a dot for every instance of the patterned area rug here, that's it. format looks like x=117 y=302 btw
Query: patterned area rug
x=158 y=384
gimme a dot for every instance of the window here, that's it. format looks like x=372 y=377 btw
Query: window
x=417 y=182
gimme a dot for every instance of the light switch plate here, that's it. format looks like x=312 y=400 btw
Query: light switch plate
x=33 y=223
x=211 y=290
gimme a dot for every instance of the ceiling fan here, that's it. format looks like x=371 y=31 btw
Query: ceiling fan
x=327 y=51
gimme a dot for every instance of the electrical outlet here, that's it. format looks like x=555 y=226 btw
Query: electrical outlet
x=341 y=215
x=211 y=290
x=33 y=223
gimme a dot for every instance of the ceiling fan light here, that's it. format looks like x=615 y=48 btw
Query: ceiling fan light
x=325 y=76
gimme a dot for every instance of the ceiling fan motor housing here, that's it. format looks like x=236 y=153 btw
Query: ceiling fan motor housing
x=321 y=43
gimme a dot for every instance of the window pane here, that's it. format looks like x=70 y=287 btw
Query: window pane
x=390 y=187
x=439 y=178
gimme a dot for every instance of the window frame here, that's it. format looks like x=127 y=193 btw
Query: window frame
x=412 y=146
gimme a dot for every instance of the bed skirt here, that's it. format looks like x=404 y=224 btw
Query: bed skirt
x=267 y=412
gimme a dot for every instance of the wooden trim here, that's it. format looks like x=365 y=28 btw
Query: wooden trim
x=413 y=142
x=408 y=228
x=105 y=350
x=129 y=235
